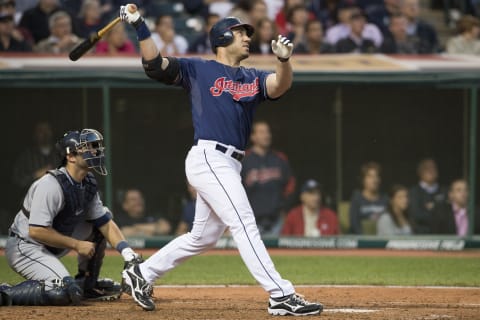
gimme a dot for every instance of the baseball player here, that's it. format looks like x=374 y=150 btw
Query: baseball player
x=224 y=97
x=62 y=211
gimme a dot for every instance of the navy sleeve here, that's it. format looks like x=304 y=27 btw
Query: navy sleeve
x=101 y=220
x=187 y=71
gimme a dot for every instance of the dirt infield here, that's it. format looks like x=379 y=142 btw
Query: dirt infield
x=250 y=303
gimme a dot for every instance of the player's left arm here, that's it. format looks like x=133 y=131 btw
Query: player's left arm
x=112 y=233
x=279 y=82
x=102 y=219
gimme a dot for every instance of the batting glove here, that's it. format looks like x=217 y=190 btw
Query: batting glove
x=134 y=18
x=282 y=48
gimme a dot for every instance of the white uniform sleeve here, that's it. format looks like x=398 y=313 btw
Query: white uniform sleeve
x=96 y=209
x=47 y=201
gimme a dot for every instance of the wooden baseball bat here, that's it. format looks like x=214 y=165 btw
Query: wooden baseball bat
x=87 y=44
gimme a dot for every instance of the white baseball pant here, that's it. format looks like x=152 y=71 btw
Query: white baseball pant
x=221 y=202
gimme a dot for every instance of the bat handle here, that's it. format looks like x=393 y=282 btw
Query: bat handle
x=108 y=27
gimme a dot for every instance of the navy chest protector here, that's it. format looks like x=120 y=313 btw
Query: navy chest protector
x=77 y=198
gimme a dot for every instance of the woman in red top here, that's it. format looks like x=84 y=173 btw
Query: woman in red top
x=116 y=42
x=311 y=219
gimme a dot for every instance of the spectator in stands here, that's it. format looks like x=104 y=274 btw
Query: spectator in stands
x=281 y=20
x=311 y=218
x=426 y=34
x=313 y=43
x=398 y=41
x=73 y=7
x=394 y=221
x=134 y=221
x=452 y=217
x=34 y=162
x=168 y=43
x=325 y=11
x=265 y=32
x=426 y=196
x=24 y=5
x=116 y=42
x=368 y=204
x=202 y=44
x=35 y=20
x=205 y=7
x=380 y=14
x=342 y=29
x=61 y=39
x=249 y=11
x=7 y=7
x=259 y=11
x=188 y=211
x=241 y=10
x=466 y=42
x=89 y=19
x=8 y=42
x=356 y=42
x=297 y=18
x=273 y=8
x=268 y=180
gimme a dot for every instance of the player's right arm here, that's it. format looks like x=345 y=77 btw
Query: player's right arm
x=50 y=237
x=156 y=67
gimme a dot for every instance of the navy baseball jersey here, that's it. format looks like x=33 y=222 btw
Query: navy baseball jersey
x=223 y=98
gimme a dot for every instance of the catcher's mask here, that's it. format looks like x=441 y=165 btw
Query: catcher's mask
x=89 y=144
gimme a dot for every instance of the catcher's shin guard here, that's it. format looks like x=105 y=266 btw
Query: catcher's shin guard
x=67 y=292
x=27 y=293
x=88 y=271
x=33 y=293
x=5 y=299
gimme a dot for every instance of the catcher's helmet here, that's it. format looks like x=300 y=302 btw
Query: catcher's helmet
x=221 y=33
x=88 y=143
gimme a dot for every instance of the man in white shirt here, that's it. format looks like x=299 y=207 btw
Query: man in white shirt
x=167 y=42
x=342 y=29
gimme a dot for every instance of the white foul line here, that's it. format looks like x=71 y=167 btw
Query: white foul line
x=312 y=286
x=349 y=310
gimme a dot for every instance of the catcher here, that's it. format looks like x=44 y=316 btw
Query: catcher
x=62 y=211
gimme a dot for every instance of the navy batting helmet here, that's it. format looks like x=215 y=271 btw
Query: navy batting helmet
x=221 y=33
x=88 y=143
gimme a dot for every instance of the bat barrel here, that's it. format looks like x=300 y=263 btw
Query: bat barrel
x=88 y=44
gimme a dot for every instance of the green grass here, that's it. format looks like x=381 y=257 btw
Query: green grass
x=219 y=269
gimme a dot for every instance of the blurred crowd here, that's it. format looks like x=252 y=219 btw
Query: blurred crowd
x=283 y=207
x=181 y=27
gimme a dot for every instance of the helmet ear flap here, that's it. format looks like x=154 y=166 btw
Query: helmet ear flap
x=227 y=37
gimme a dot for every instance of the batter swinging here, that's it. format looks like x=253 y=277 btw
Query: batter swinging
x=224 y=97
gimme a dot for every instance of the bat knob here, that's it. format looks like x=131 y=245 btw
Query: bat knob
x=132 y=8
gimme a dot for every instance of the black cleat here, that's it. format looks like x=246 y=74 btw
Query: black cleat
x=294 y=305
x=125 y=287
x=140 y=289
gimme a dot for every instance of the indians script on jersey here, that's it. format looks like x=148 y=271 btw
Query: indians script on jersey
x=237 y=89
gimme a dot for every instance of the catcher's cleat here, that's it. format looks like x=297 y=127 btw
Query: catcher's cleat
x=294 y=305
x=105 y=290
x=96 y=294
x=140 y=289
